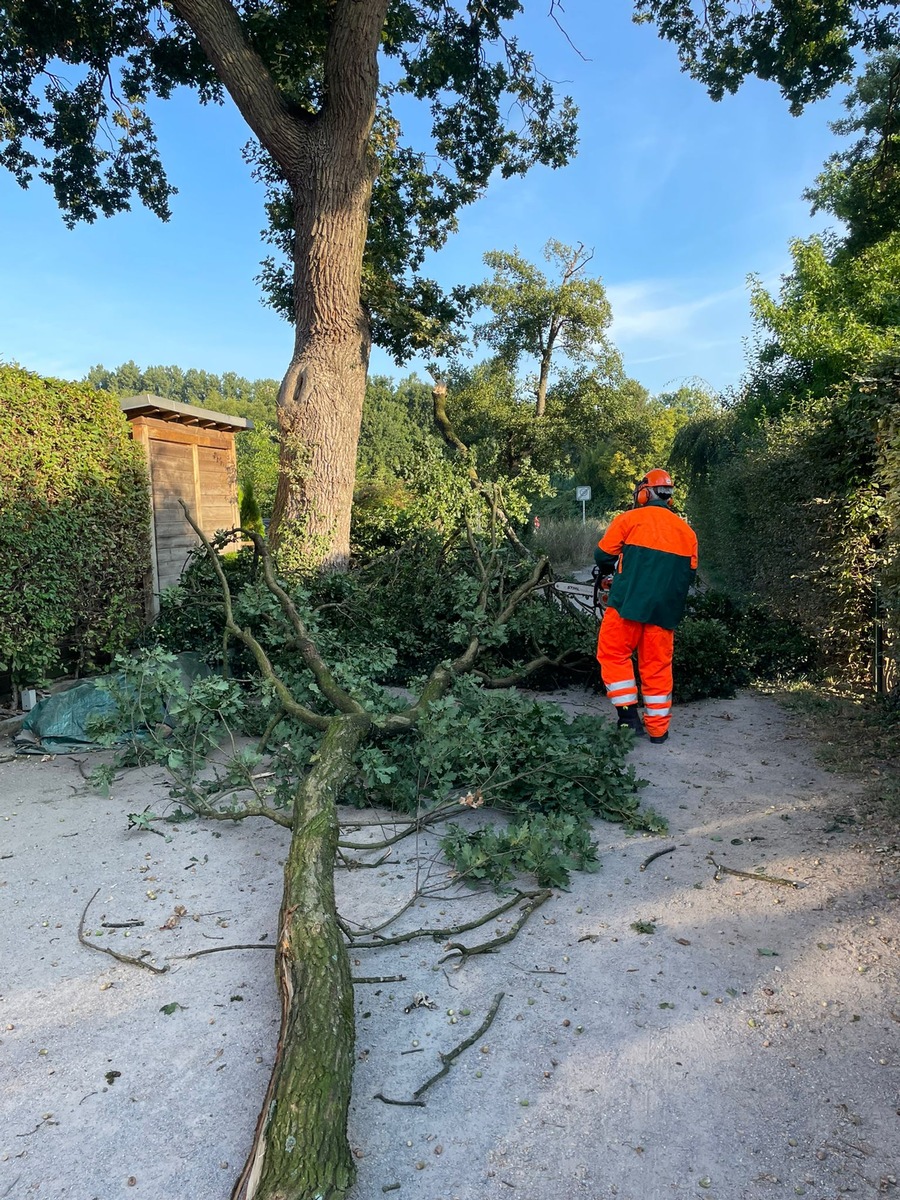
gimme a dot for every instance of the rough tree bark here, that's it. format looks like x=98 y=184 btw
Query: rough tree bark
x=327 y=162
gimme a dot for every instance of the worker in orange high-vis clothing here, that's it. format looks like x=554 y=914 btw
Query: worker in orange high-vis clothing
x=652 y=555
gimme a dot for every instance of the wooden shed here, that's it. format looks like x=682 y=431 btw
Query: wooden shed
x=191 y=454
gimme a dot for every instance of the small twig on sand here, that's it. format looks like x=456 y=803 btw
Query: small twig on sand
x=378 y=979
x=758 y=876
x=656 y=854
x=123 y=958
x=219 y=949
x=447 y=1060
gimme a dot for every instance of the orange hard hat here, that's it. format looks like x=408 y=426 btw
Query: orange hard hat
x=656 y=485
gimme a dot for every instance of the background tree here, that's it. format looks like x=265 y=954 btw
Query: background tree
x=837 y=313
x=305 y=77
x=536 y=318
x=806 y=450
x=861 y=185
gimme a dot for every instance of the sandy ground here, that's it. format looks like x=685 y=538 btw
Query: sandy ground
x=748 y=1049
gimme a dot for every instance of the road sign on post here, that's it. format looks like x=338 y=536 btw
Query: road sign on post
x=582 y=494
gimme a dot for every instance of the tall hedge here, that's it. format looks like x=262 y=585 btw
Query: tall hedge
x=794 y=513
x=74 y=527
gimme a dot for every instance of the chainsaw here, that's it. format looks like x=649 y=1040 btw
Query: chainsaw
x=588 y=597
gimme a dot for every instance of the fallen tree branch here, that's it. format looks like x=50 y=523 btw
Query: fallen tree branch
x=219 y=949
x=535 y=901
x=536 y=664
x=454 y=930
x=758 y=876
x=122 y=958
x=447 y=1060
x=414 y=825
x=656 y=854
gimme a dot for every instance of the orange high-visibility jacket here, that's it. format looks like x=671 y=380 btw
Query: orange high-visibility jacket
x=653 y=552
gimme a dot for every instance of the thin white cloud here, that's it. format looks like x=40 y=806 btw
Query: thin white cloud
x=643 y=312
x=669 y=329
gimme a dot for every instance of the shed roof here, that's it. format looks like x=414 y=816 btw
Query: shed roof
x=146 y=405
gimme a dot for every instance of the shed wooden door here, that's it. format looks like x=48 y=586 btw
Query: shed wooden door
x=172 y=472
x=218 y=487
x=202 y=476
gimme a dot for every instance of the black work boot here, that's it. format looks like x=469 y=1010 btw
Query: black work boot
x=659 y=738
x=629 y=716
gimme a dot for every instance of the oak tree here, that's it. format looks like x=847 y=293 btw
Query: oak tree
x=538 y=317
x=360 y=206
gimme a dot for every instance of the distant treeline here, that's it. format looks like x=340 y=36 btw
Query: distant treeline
x=228 y=392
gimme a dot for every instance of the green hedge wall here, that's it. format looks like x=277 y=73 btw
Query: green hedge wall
x=74 y=527
x=795 y=515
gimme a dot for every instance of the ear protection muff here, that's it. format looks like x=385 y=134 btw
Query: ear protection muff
x=656 y=485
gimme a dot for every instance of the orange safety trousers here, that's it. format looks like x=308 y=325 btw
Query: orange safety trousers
x=618 y=641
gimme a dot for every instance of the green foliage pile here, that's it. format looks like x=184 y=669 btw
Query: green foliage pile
x=392 y=618
x=548 y=776
x=74 y=527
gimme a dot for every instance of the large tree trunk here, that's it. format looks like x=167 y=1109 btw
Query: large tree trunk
x=300 y=1149
x=326 y=159
x=321 y=397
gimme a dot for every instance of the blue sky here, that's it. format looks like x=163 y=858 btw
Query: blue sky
x=680 y=199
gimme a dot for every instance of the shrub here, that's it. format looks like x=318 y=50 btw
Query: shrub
x=707 y=660
x=793 y=514
x=770 y=647
x=74 y=527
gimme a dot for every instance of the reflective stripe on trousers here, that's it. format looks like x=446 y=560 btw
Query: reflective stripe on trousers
x=618 y=641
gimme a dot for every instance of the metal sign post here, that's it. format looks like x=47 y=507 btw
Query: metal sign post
x=582 y=494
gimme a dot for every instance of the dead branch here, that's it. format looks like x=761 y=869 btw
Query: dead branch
x=452 y=931
x=758 y=876
x=371 y=930
x=219 y=949
x=536 y=899
x=655 y=855
x=122 y=958
x=447 y=1060
x=415 y=825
